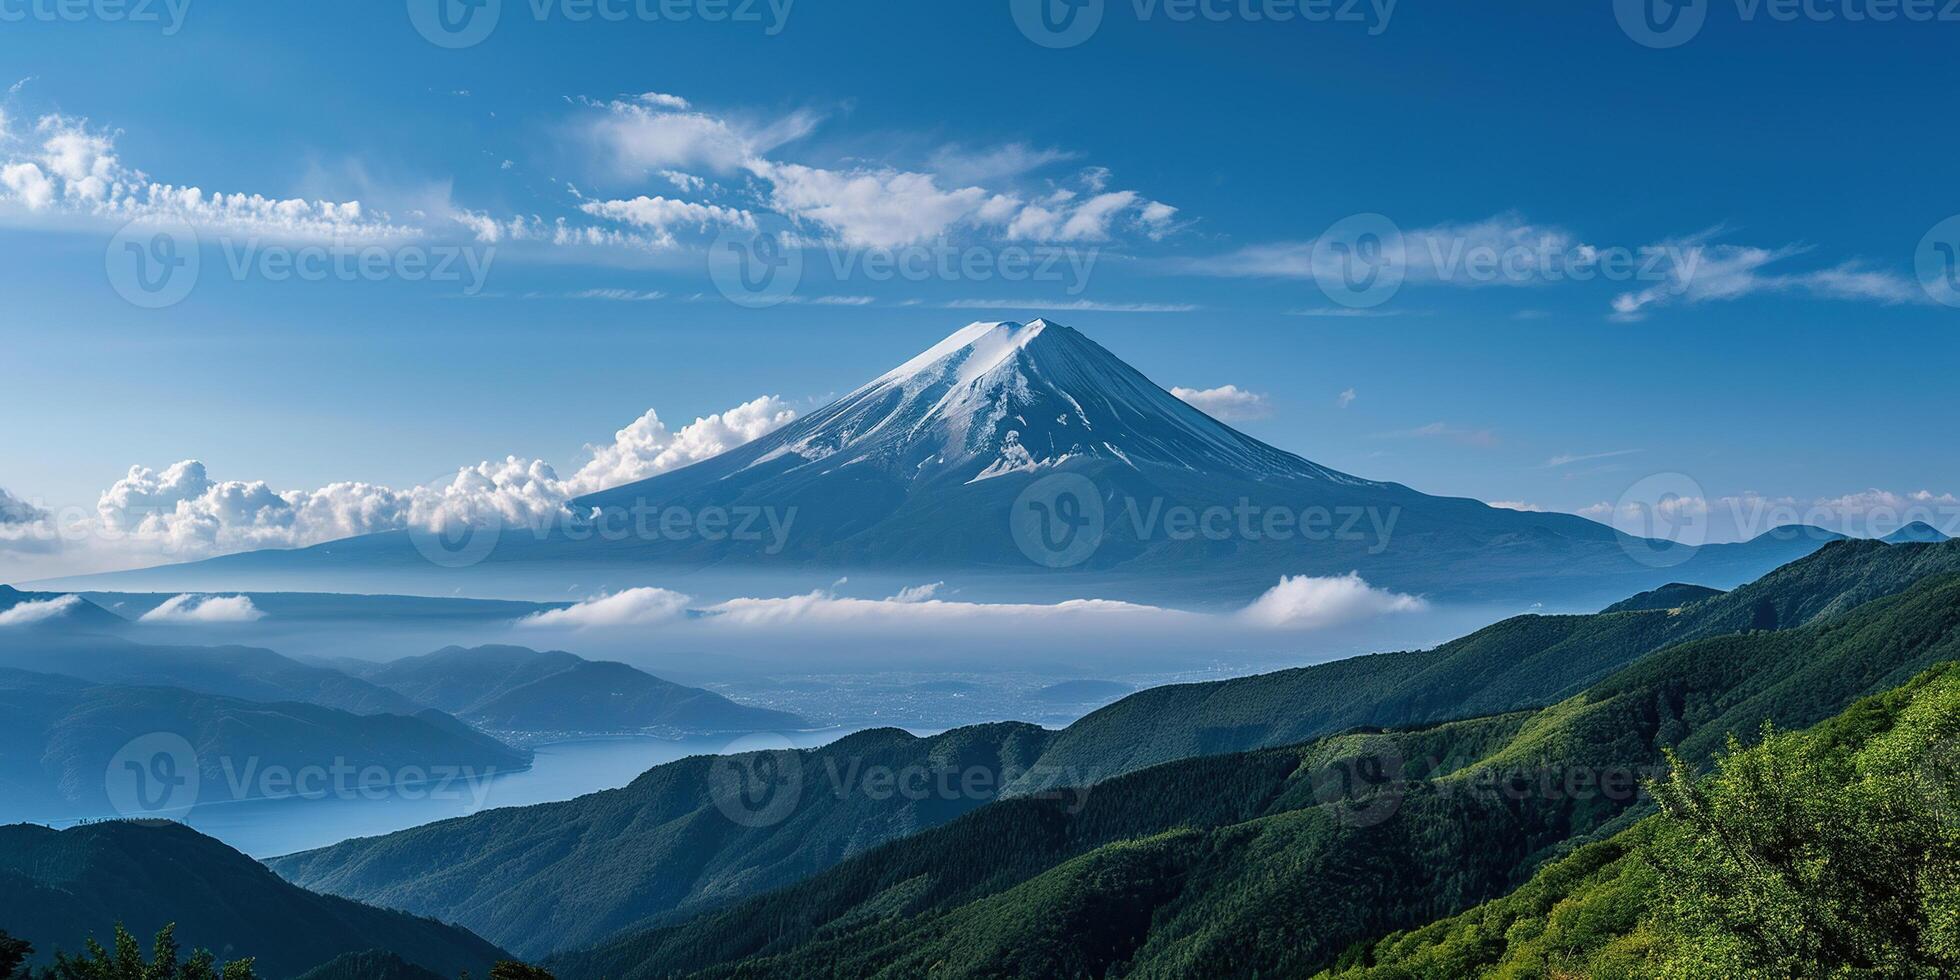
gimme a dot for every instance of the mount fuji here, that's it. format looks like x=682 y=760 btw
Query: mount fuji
x=1011 y=450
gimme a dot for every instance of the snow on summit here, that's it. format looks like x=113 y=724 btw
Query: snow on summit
x=999 y=398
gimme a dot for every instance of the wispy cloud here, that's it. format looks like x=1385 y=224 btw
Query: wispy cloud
x=1567 y=459
x=1068 y=306
x=1481 y=438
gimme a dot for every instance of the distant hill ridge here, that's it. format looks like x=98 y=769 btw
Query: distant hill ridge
x=517 y=689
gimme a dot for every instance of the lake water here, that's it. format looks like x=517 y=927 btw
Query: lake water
x=562 y=770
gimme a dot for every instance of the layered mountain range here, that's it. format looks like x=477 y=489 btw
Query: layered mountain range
x=928 y=468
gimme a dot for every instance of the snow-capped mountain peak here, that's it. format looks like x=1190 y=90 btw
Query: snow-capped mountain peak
x=1006 y=397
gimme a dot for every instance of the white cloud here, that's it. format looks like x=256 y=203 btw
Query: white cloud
x=965 y=166
x=1227 y=403
x=633 y=607
x=646 y=447
x=664 y=134
x=918 y=593
x=1345 y=398
x=63 y=167
x=1306 y=602
x=870 y=208
x=181 y=512
x=1694 y=271
x=1508 y=250
x=661 y=214
x=1500 y=250
x=620 y=295
x=866 y=204
x=38 y=610
x=663 y=100
x=197 y=610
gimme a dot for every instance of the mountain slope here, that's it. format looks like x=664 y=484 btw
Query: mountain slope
x=1673 y=595
x=515 y=689
x=1826 y=853
x=921 y=470
x=58 y=887
x=249 y=673
x=548 y=877
x=1523 y=662
x=1918 y=532
x=61 y=735
x=53 y=610
x=1299 y=852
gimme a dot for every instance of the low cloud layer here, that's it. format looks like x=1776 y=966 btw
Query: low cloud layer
x=39 y=611
x=1299 y=603
x=204 y=610
x=633 y=607
x=1304 y=602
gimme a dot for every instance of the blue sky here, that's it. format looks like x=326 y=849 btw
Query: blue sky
x=1773 y=183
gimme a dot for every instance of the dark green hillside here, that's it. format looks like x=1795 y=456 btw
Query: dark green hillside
x=62 y=733
x=558 y=875
x=1280 y=880
x=59 y=887
x=1673 y=595
x=1523 y=662
x=371 y=965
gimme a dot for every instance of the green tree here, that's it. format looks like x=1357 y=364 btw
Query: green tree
x=13 y=952
x=513 y=970
x=1799 y=859
x=126 y=963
